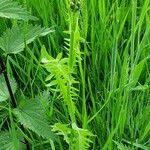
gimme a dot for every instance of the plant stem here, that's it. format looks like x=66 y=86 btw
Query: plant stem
x=14 y=104
x=3 y=69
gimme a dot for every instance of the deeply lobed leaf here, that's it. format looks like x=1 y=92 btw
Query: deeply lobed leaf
x=77 y=138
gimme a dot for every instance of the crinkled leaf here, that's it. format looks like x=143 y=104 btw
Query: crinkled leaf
x=4 y=94
x=11 y=9
x=15 y=39
x=6 y=142
x=33 y=116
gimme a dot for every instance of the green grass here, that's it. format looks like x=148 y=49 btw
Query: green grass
x=82 y=79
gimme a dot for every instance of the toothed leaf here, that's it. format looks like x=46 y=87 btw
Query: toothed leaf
x=32 y=115
x=11 y=9
x=15 y=39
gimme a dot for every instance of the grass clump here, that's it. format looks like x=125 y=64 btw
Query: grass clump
x=74 y=74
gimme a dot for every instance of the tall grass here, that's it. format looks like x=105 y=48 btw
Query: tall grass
x=106 y=45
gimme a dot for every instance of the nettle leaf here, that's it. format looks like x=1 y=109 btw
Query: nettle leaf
x=11 y=9
x=4 y=94
x=15 y=39
x=6 y=142
x=32 y=115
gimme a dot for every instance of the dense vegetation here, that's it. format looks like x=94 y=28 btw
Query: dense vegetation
x=74 y=74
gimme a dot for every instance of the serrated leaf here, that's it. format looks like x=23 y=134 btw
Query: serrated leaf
x=4 y=94
x=33 y=116
x=15 y=39
x=11 y=9
x=6 y=142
